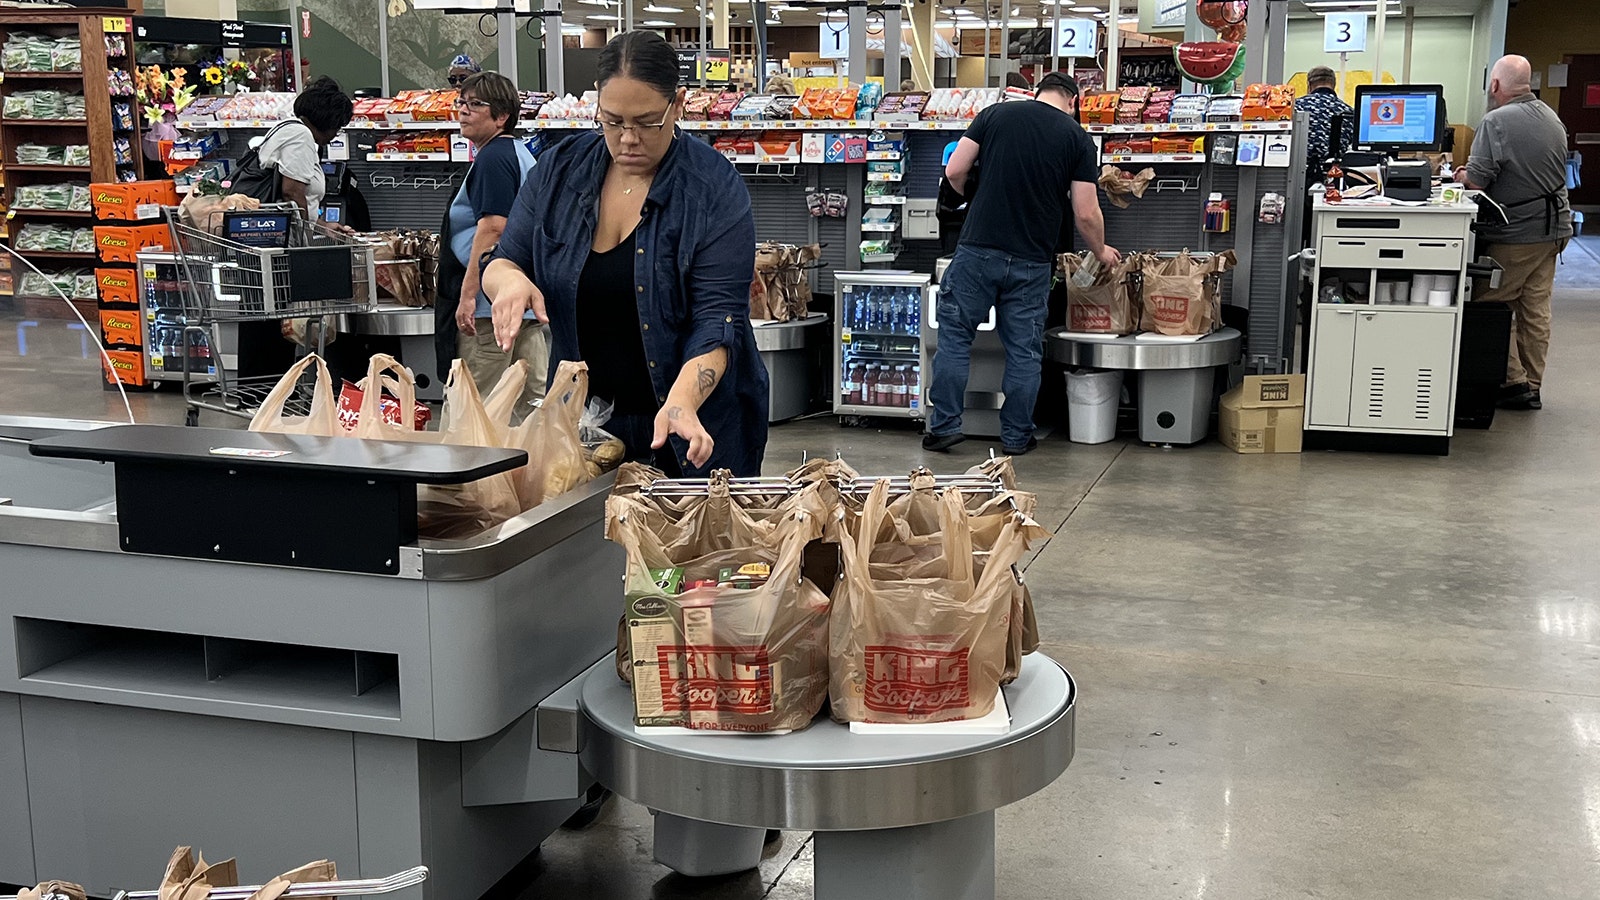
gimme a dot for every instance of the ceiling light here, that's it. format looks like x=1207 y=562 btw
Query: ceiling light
x=595 y=2
x=653 y=8
x=1081 y=8
x=573 y=29
x=657 y=23
x=604 y=18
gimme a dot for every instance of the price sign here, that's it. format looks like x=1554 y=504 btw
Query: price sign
x=1344 y=33
x=719 y=65
x=1077 y=37
x=833 y=40
x=114 y=24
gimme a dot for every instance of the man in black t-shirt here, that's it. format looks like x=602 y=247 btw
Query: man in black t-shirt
x=1036 y=163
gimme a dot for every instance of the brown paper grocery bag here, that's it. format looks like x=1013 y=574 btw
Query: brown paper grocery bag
x=188 y=879
x=1180 y=295
x=1108 y=306
x=920 y=649
x=1120 y=185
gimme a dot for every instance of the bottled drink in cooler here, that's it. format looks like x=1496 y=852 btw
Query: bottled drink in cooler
x=914 y=387
x=858 y=319
x=858 y=382
x=901 y=394
x=885 y=386
x=869 y=387
x=913 y=313
x=884 y=312
x=897 y=315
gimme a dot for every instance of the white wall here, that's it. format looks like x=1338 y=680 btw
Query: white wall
x=1442 y=53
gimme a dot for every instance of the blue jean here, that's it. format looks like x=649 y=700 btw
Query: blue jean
x=1019 y=291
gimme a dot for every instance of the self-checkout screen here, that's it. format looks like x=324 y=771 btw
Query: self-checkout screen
x=1398 y=120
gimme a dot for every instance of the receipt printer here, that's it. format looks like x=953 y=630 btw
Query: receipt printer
x=1408 y=179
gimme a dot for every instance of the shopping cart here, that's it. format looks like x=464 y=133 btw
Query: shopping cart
x=276 y=267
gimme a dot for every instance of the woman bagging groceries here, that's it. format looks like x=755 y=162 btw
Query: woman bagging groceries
x=637 y=246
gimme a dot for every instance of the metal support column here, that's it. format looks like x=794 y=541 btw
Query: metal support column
x=554 y=77
x=1277 y=39
x=1411 y=33
x=701 y=16
x=1113 y=50
x=857 y=23
x=758 y=10
x=1256 y=39
x=383 y=44
x=296 y=73
x=1382 y=13
x=505 y=21
x=891 y=48
x=1055 y=40
x=1005 y=39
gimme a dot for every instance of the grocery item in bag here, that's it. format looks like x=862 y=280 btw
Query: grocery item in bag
x=1106 y=305
x=746 y=657
x=463 y=510
x=556 y=461
x=919 y=636
x=1180 y=295
x=322 y=418
x=386 y=416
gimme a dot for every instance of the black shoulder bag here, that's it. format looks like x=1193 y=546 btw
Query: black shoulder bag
x=253 y=179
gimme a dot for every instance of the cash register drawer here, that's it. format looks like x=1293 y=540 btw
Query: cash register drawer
x=1392 y=253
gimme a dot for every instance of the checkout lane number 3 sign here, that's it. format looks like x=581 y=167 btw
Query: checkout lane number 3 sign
x=1344 y=33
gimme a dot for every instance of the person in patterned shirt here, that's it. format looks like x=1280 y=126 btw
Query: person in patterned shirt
x=1321 y=105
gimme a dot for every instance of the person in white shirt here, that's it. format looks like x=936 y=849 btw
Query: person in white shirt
x=295 y=146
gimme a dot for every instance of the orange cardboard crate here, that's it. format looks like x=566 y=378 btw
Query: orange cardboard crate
x=116 y=285
x=122 y=243
x=119 y=328
x=126 y=366
x=117 y=201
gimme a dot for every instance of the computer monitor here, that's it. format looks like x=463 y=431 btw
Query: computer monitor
x=1399 y=117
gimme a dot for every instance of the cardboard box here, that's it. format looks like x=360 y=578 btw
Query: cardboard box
x=120 y=328
x=126 y=366
x=120 y=201
x=121 y=244
x=117 y=286
x=1266 y=414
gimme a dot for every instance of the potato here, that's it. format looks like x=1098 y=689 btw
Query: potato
x=593 y=468
x=609 y=454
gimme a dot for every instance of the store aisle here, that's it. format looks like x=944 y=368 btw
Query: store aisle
x=1339 y=675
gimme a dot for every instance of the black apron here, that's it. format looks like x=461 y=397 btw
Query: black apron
x=447 y=297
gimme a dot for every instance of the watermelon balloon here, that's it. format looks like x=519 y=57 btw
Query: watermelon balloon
x=1210 y=62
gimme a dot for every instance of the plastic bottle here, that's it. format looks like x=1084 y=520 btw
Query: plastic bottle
x=885 y=386
x=902 y=396
x=885 y=325
x=897 y=314
x=914 y=388
x=914 y=313
x=869 y=387
x=859 y=319
x=847 y=381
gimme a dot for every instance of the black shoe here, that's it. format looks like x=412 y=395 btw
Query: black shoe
x=1516 y=391
x=1529 y=400
x=1029 y=447
x=593 y=804
x=940 y=443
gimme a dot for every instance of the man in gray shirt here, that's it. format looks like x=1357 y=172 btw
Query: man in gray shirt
x=1519 y=159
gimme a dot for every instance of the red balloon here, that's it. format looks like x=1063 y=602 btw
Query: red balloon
x=1227 y=19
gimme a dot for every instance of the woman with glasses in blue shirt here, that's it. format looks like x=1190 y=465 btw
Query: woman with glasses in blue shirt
x=637 y=246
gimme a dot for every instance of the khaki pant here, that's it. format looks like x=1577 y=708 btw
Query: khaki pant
x=1530 y=272
x=487 y=362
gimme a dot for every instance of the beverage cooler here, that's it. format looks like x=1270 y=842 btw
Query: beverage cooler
x=879 y=352
x=161 y=312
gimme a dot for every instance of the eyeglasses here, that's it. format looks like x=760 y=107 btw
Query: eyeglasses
x=478 y=105
x=640 y=131
x=455 y=80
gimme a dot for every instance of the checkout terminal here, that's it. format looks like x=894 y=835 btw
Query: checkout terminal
x=1391 y=119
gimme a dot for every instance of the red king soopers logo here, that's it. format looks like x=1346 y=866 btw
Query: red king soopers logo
x=906 y=681
x=715 y=679
x=1170 y=309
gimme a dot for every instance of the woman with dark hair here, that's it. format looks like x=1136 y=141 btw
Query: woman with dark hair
x=637 y=246
x=488 y=108
x=294 y=147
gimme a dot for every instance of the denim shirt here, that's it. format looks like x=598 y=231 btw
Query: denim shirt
x=695 y=259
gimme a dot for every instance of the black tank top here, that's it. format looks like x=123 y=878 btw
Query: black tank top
x=609 y=339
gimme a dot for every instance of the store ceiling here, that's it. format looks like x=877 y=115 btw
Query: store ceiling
x=959 y=13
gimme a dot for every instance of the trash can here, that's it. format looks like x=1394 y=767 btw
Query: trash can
x=1092 y=405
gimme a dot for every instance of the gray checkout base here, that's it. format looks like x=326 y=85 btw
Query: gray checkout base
x=414 y=327
x=894 y=815
x=784 y=349
x=281 y=714
x=1176 y=380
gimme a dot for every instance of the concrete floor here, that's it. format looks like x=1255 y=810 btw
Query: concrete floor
x=1325 y=675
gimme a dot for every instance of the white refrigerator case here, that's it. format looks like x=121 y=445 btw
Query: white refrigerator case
x=880 y=359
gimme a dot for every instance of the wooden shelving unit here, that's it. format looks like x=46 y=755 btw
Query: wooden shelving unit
x=97 y=128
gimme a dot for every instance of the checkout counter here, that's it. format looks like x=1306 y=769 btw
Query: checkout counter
x=237 y=639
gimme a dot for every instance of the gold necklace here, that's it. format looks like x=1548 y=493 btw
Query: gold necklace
x=642 y=182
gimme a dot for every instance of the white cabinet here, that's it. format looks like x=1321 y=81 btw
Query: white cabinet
x=1382 y=370
x=1386 y=321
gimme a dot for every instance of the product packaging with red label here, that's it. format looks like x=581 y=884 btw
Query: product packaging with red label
x=350 y=397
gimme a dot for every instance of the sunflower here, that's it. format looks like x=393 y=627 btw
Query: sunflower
x=212 y=75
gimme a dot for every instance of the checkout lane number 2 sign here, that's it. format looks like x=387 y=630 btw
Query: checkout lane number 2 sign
x=1076 y=37
x=1344 y=33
